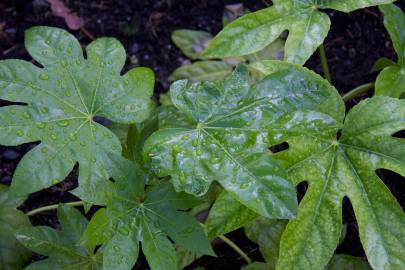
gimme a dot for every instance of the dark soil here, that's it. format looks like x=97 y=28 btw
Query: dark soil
x=355 y=42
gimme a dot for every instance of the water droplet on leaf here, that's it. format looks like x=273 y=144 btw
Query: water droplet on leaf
x=44 y=76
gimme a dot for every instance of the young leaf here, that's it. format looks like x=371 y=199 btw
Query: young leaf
x=346 y=167
x=191 y=42
x=382 y=63
x=307 y=28
x=61 y=247
x=229 y=139
x=13 y=255
x=391 y=81
x=202 y=71
x=130 y=217
x=62 y=100
x=226 y=215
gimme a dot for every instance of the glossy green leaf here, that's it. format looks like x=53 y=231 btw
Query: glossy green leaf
x=307 y=26
x=391 y=81
x=226 y=215
x=13 y=256
x=225 y=143
x=267 y=234
x=229 y=139
x=191 y=42
x=62 y=98
x=132 y=217
x=347 y=262
x=62 y=247
x=345 y=167
x=202 y=71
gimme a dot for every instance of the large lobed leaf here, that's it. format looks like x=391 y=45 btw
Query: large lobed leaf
x=62 y=99
x=227 y=139
x=307 y=26
x=344 y=167
x=62 y=247
x=13 y=256
x=132 y=217
x=391 y=81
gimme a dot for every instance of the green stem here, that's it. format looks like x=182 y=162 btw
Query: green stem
x=52 y=207
x=324 y=62
x=236 y=248
x=357 y=91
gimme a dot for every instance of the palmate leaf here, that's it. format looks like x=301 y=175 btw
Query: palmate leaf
x=63 y=97
x=131 y=217
x=61 y=246
x=344 y=167
x=227 y=141
x=267 y=234
x=307 y=26
x=391 y=80
x=13 y=256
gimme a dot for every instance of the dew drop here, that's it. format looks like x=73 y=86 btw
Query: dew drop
x=341 y=187
x=126 y=82
x=124 y=231
x=116 y=248
x=69 y=50
x=199 y=152
x=44 y=76
x=43 y=110
x=40 y=125
x=68 y=94
x=63 y=123
x=19 y=133
x=26 y=115
x=244 y=185
x=55 y=181
x=176 y=148
x=109 y=62
x=64 y=63
x=73 y=137
x=78 y=62
x=44 y=150
x=194 y=143
x=53 y=136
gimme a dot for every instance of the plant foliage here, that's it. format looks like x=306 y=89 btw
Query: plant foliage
x=391 y=81
x=12 y=254
x=132 y=217
x=226 y=141
x=307 y=26
x=60 y=103
x=62 y=247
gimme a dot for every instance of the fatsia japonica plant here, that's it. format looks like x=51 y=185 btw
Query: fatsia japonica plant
x=234 y=147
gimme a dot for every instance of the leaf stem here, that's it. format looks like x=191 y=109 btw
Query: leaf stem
x=132 y=134
x=52 y=207
x=236 y=248
x=324 y=62
x=358 y=91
